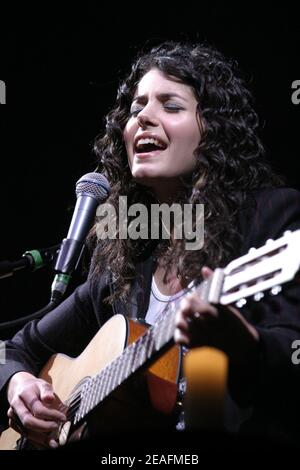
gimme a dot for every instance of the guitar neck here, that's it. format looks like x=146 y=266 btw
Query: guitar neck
x=147 y=348
x=262 y=269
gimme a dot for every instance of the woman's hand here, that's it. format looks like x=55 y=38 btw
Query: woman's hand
x=199 y=323
x=34 y=409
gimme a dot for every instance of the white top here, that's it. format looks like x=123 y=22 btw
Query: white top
x=159 y=302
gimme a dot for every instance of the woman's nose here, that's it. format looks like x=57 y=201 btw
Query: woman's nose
x=147 y=117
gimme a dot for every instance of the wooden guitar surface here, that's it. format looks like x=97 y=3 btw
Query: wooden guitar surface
x=66 y=374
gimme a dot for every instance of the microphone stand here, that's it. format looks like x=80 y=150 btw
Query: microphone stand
x=31 y=260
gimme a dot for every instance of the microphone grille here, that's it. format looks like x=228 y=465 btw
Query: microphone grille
x=93 y=184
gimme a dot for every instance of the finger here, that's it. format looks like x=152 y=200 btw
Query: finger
x=183 y=326
x=44 y=410
x=206 y=272
x=53 y=443
x=192 y=304
x=16 y=426
x=42 y=439
x=49 y=398
x=46 y=392
x=10 y=412
x=15 y=422
x=181 y=338
x=39 y=410
x=29 y=421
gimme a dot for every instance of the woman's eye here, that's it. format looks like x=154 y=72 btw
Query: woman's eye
x=134 y=111
x=172 y=107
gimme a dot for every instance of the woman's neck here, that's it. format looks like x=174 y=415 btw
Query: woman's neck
x=166 y=191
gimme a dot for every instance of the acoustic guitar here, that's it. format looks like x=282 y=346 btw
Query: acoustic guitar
x=126 y=358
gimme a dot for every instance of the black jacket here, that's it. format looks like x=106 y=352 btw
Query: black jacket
x=271 y=387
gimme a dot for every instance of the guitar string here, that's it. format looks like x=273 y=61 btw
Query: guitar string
x=74 y=400
x=107 y=375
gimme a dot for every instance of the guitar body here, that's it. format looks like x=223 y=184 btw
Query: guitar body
x=129 y=407
x=144 y=398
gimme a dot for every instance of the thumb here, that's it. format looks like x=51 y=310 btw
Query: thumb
x=206 y=272
x=46 y=392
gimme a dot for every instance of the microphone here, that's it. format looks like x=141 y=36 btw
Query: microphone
x=91 y=190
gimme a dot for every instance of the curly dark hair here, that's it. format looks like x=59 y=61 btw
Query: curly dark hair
x=230 y=163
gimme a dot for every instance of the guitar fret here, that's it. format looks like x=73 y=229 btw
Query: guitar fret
x=93 y=391
x=116 y=367
x=110 y=379
x=216 y=289
x=149 y=343
x=170 y=324
x=157 y=338
x=113 y=376
x=125 y=368
x=128 y=362
x=97 y=389
x=138 y=353
x=118 y=375
x=102 y=384
x=157 y=329
x=203 y=289
x=106 y=382
x=161 y=338
x=80 y=412
x=143 y=352
x=88 y=399
x=84 y=400
x=135 y=356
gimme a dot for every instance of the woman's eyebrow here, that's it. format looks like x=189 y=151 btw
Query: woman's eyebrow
x=161 y=96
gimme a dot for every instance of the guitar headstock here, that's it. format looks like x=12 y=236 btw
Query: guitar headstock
x=262 y=269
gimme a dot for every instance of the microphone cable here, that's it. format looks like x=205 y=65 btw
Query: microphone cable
x=21 y=321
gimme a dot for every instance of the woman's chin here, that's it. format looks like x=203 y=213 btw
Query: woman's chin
x=144 y=177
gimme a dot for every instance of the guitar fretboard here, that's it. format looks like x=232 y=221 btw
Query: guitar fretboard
x=135 y=356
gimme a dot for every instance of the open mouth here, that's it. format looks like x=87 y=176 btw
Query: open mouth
x=149 y=145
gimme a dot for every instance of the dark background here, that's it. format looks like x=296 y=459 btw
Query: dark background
x=62 y=69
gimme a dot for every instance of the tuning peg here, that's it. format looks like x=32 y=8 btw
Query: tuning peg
x=240 y=303
x=252 y=250
x=269 y=241
x=287 y=232
x=257 y=297
x=275 y=290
